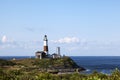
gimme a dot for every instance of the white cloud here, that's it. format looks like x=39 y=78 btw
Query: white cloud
x=7 y=43
x=67 y=40
x=4 y=39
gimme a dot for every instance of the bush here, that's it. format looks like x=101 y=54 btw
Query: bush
x=6 y=63
x=36 y=75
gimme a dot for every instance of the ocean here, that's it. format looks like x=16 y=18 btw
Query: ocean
x=103 y=64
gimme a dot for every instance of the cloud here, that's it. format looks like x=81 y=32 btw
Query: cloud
x=7 y=43
x=79 y=45
x=4 y=39
x=72 y=43
x=67 y=40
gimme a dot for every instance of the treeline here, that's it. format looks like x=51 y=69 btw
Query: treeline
x=34 y=75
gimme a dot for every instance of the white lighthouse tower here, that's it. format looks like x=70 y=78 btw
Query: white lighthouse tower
x=46 y=44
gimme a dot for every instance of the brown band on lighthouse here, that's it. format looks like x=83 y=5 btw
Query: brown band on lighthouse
x=45 y=48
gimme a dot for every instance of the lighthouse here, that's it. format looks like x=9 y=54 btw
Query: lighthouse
x=45 y=44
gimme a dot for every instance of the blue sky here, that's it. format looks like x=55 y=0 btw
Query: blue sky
x=79 y=27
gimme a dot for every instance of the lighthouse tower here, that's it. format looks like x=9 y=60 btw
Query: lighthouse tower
x=46 y=44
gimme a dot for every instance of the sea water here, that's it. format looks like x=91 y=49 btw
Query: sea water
x=103 y=64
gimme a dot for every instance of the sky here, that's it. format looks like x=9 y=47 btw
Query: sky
x=78 y=27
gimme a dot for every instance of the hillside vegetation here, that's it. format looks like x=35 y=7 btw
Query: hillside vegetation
x=36 y=69
x=34 y=75
x=48 y=63
x=6 y=63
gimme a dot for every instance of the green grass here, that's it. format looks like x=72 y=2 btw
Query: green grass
x=35 y=75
